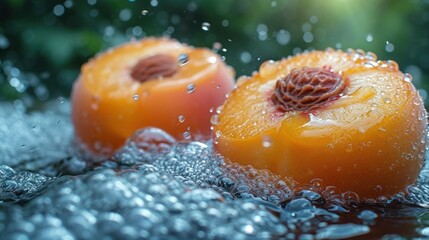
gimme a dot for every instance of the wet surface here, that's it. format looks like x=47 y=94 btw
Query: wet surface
x=159 y=188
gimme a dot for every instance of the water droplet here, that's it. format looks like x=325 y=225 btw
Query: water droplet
x=267 y=68
x=181 y=118
x=407 y=77
x=187 y=135
x=378 y=188
x=266 y=141
x=371 y=56
x=389 y=47
x=59 y=10
x=4 y=42
x=308 y=37
x=387 y=100
x=154 y=3
x=183 y=59
x=283 y=37
x=94 y=106
x=125 y=14
x=369 y=37
x=216 y=46
x=225 y=23
x=145 y=12
x=190 y=88
x=245 y=57
x=136 y=97
x=214 y=119
x=262 y=30
x=205 y=26
x=370 y=64
x=60 y=100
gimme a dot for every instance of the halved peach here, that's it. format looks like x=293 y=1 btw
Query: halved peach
x=340 y=117
x=156 y=82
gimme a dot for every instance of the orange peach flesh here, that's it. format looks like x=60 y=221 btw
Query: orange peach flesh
x=370 y=141
x=109 y=105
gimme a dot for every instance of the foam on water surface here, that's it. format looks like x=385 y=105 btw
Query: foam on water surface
x=155 y=187
x=32 y=140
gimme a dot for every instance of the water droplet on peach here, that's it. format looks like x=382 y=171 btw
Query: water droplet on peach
x=190 y=88
x=181 y=118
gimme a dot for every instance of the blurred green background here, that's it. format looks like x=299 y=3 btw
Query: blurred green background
x=44 y=43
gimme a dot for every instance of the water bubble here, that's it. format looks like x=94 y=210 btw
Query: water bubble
x=367 y=215
x=154 y=3
x=109 y=31
x=205 y=26
x=262 y=30
x=225 y=23
x=181 y=118
x=314 y=19
x=59 y=10
x=308 y=37
x=306 y=27
x=369 y=37
x=136 y=97
x=145 y=12
x=341 y=231
x=273 y=3
x=245 y=57
x=389 y=47
x=125 y=14
x=151 y=139
x=190 y=88
x=283 y=37
x=137 y=31
x=4 y=42
x=183 y=59
x=68 y=3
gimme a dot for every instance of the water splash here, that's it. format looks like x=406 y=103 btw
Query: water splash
x=185 y=186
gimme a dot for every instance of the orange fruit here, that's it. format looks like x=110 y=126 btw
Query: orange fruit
x=340 y=117
x=156 y=82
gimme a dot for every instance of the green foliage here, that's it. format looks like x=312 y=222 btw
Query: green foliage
x=52 y=39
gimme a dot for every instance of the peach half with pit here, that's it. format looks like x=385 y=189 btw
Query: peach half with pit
x=342 y=118
x=155 y=82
